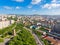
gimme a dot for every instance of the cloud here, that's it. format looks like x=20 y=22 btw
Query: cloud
x=18 y=0
x=46 y=6
x=53 y=4
x=35 y=1
x=53 y=1
x=29 y=6
x=17 y=7
x=7 y=7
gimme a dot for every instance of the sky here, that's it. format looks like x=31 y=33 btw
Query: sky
x=29 y=7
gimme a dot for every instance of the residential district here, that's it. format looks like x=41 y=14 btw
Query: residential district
x=29 y=30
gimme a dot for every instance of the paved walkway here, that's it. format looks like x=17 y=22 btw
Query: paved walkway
x=5 y=41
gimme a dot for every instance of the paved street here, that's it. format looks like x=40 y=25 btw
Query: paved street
x=37 y=39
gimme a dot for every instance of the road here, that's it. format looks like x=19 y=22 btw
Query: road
x=56 y=36
x=50 y=34
x=39 y=42
x=37 y=39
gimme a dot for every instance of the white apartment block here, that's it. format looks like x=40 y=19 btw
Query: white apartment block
x=4 y=24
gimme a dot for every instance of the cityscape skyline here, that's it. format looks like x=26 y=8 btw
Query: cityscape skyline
x=29 y=7
x=29 y=22
x=29 y=29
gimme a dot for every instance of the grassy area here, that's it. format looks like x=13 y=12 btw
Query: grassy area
x=24 y=37
x=7 y=31
x=1 y=40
